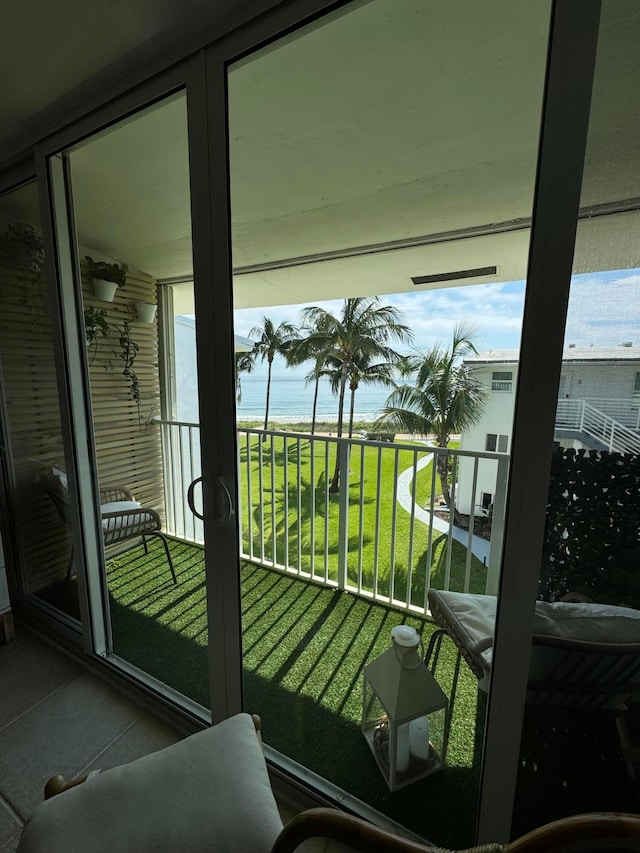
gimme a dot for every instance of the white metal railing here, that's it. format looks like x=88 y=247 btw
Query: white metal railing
x=379 y=535
x=625 y=412
x=580 y=416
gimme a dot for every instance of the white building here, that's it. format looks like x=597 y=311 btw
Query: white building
x=598 y=408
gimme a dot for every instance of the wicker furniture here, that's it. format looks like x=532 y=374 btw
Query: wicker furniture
x=211 y=792
x=583 y=654
x=122 y=517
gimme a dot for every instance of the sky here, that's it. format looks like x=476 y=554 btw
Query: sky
x=604 y=310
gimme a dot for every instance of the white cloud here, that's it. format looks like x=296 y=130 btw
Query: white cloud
x=604 y=310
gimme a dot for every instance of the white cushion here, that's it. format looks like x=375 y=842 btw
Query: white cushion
x=209 y=792
x=117 y=506
x=589 y=622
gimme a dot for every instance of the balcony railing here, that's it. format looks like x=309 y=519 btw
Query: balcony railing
x=583 y=417
x=381 y=533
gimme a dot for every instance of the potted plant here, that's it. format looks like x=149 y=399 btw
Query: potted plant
x=106 y=278
x=96 y=325
x=145 y=311
x=22 y=246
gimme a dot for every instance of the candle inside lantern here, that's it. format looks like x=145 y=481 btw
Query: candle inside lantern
x=402 y=748
x=419 y=738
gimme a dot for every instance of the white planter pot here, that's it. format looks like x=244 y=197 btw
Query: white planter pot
x=104 y=290
x=146 y=312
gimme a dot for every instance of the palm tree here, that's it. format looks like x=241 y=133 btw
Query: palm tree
x=271 y=341
x=361 y=332
x=364 y=373
x=316 y=346
x=442 y=399
x=245 y=363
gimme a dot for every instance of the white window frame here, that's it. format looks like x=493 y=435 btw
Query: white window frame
x=500 y=382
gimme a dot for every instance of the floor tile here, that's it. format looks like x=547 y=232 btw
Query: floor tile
x=144 y=736
x=62 y=735
x=29 y=673
x=21 y=638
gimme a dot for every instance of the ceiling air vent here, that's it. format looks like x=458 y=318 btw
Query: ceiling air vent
x=453 y=276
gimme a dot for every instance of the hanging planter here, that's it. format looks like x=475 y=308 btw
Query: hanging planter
x=145 y=311
x=106 y=278
x=104 y=290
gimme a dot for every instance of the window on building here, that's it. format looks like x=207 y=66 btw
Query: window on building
x=501 y=380
x=496 y=442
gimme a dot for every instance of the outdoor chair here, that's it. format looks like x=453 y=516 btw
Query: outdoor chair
x=123 y=518
x=584 y=655
x=210 y=793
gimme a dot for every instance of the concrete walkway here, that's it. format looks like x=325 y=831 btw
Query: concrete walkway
x=479 y=546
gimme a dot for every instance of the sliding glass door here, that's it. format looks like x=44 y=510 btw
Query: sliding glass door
x=382 y=168
x=582 y=701
x=38 y=520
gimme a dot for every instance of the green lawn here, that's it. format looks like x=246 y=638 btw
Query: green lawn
x=281 y=531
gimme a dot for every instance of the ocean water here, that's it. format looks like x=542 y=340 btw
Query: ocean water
x=292 y=400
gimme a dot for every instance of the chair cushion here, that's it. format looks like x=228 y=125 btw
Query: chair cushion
x=118 y=506
x=209 y=792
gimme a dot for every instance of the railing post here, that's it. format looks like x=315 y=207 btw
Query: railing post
x=497 y=527
x=583 y=406
x=343 y=511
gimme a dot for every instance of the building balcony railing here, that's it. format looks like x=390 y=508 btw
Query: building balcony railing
x=593 y=419
x=378 y=530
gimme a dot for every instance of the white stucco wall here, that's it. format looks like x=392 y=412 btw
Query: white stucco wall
x=498 y=419
x=598 y=380
x=590 y=374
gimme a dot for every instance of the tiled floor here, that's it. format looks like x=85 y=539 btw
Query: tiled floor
x=57 y=718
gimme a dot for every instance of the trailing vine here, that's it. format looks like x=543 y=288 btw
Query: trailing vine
x=128 y=352
x=96 y=324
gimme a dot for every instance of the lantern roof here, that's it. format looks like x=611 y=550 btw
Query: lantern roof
x=404 y=693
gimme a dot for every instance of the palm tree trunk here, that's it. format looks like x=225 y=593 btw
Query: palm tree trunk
x=442 y=466
x=351 y=408
x=335 y=481
x=315 y=406
x=266 y=408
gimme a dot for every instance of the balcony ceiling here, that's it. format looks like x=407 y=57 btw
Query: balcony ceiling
x=395 y=121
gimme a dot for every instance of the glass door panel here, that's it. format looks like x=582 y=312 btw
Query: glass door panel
x=382 y=173
x=32 y=432
x=131 y=206
x=582 y=704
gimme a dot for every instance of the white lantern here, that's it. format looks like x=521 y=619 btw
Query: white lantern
x=403 y=711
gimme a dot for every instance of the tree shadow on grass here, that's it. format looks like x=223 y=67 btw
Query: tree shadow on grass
x=307 y=506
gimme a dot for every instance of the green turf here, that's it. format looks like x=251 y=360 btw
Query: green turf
x=304 y=648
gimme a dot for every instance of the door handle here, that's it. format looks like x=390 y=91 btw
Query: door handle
x=227 y=512
x=190 y=492
x=228 y=503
